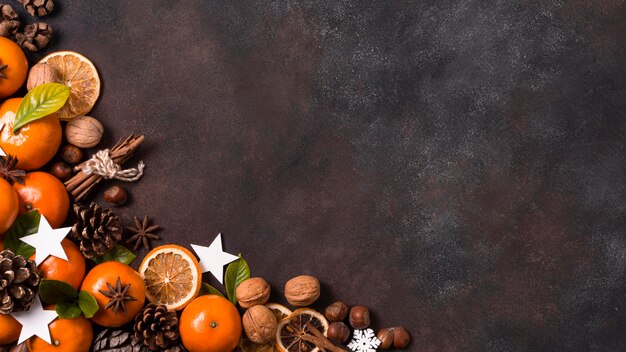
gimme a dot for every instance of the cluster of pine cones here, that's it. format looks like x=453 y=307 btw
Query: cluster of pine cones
x=34 y=36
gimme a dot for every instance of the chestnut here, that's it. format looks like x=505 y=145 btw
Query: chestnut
x=360 y=317
x=386 y=338
x=71 y=154
x=337 y=311
x=116 y=196
x=398 y=337
x=61 y=170
x=338 y=332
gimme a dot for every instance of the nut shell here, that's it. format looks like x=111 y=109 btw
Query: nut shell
x=84 y=132
x=40 y=74
x=360 y=317
x=302 y=291
x=260 y=324
x=386 y=338
x=338 y=332
x=337 y=311
x=252 y=292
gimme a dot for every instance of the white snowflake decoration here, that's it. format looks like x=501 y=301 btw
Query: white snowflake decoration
x=364 y=341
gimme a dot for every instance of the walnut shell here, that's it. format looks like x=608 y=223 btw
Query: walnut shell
x=302 y=291
x=252 y=292
x=84 y=132
x=260 y=324
x=40 y=74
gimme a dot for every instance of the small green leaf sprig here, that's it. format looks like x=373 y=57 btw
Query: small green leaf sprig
x=40 y=102
x=68 y=302
x=236 y=273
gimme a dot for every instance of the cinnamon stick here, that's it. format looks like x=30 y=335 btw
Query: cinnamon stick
x=320 y=340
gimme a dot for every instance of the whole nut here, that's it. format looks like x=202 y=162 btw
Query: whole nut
x=116 y=196
x=71 y=154
x=260 y=324
x=252 y=292
x=360 y=317
x=302 y=291
x=386 y=338
x=84 y=131
x=40 y=74
x=338 y=332
x=61 y=170
x=401 y=337
x=337 y=311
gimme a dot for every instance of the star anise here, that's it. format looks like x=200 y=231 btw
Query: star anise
x=7 y=169
x=2 y=68
x=143 y=233
x=118 y=296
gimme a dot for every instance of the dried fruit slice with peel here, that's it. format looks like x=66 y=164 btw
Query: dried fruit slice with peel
x=172 y=276
x=246 y=345
x=291 y=329
x=280 y=312
x=77 y=72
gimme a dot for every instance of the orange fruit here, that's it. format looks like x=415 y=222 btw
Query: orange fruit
x=78 y=73
x=9 y=206
x=71 y=271
x=172 y=276
x=291 y=329
x=115 y=277
x=68 y=335
x=9 y=329
x=45 y=193
x=210 y=324
x=13 y=76
x=35 y=144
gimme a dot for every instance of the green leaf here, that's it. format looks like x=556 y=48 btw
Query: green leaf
x=236 y=273
x=55 y=292
x=87 y=304
x=119 y=253
x=68 y=310
x=40 y=102
x=207 y=289
x=24 y=225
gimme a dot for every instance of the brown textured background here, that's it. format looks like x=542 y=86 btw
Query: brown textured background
x=457 y=166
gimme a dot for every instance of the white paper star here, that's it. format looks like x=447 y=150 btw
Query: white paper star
x=35 y=322
x=2 y=153
x=213 y=258
x=47 y=241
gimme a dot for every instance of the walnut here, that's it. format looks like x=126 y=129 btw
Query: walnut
x=40 y=74
x=84 y=132
x=260 y=324
x=252 y=292
x=302 y=291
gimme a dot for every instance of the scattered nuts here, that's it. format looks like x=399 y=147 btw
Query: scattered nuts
x=338 y=332
x=84 y=131
x=252 y=292
x=260 y=324
x=302 y=291
x=71 y=154
x=40 y=74
x=337 y=311
x=386 y=338
x=61 y=170
x=116 y=196
x=398 y=337
x=360 y=317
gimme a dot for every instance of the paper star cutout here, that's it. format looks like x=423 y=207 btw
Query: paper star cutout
x=213 y=258
x=35 y=322
x=47 y=241
x=2 y=153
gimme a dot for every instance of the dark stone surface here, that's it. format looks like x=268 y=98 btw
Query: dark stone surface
x=457 y=166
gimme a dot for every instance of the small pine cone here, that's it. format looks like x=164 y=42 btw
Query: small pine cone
x=38 y=7
x=19 y=282
x=117 y=341
x=156 y=327
x=9 y=21
x=97 y=230
x=35 y=37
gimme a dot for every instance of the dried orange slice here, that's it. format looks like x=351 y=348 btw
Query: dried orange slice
x=291 y=329
x=246 y=345
x=171 y=275
x=280 y=312
x=78 y=73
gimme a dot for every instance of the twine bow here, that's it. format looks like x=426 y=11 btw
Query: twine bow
x=102 y=164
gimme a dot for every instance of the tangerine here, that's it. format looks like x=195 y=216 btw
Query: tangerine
x=71 y=271
x=45 y=193
x=68 y=335
x=9 y=329
x=210 y=324
x=9 y=206
x=13 y=67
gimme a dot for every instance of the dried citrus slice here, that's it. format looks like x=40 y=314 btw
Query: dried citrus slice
x=77 y=72
x=171 y=275
x=246 y=345
x=291 y=329
x=280 y=312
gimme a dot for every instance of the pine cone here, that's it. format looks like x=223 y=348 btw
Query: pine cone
x=38 y=7
x=35 y=37
x=19 y=282
x=117 y=341
x=9 y=21
x=97 y=230
x=156 y=327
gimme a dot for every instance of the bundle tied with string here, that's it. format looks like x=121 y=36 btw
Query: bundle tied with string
x=106 y=164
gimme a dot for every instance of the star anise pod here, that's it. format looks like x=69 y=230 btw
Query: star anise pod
x=8 y=171
x=118 y=296
x=143 y=233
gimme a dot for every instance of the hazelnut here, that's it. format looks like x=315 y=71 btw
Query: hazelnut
x=338 y=332
x=302 y=291
x=116 y=196
x=337 y=311
x=71 y=154
x=260 y=324
x=252 y=292
x=360 y=317
x=40 y=74
x=386 y=338
x=61 y=170
x=401 y=337
x=84 y=131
